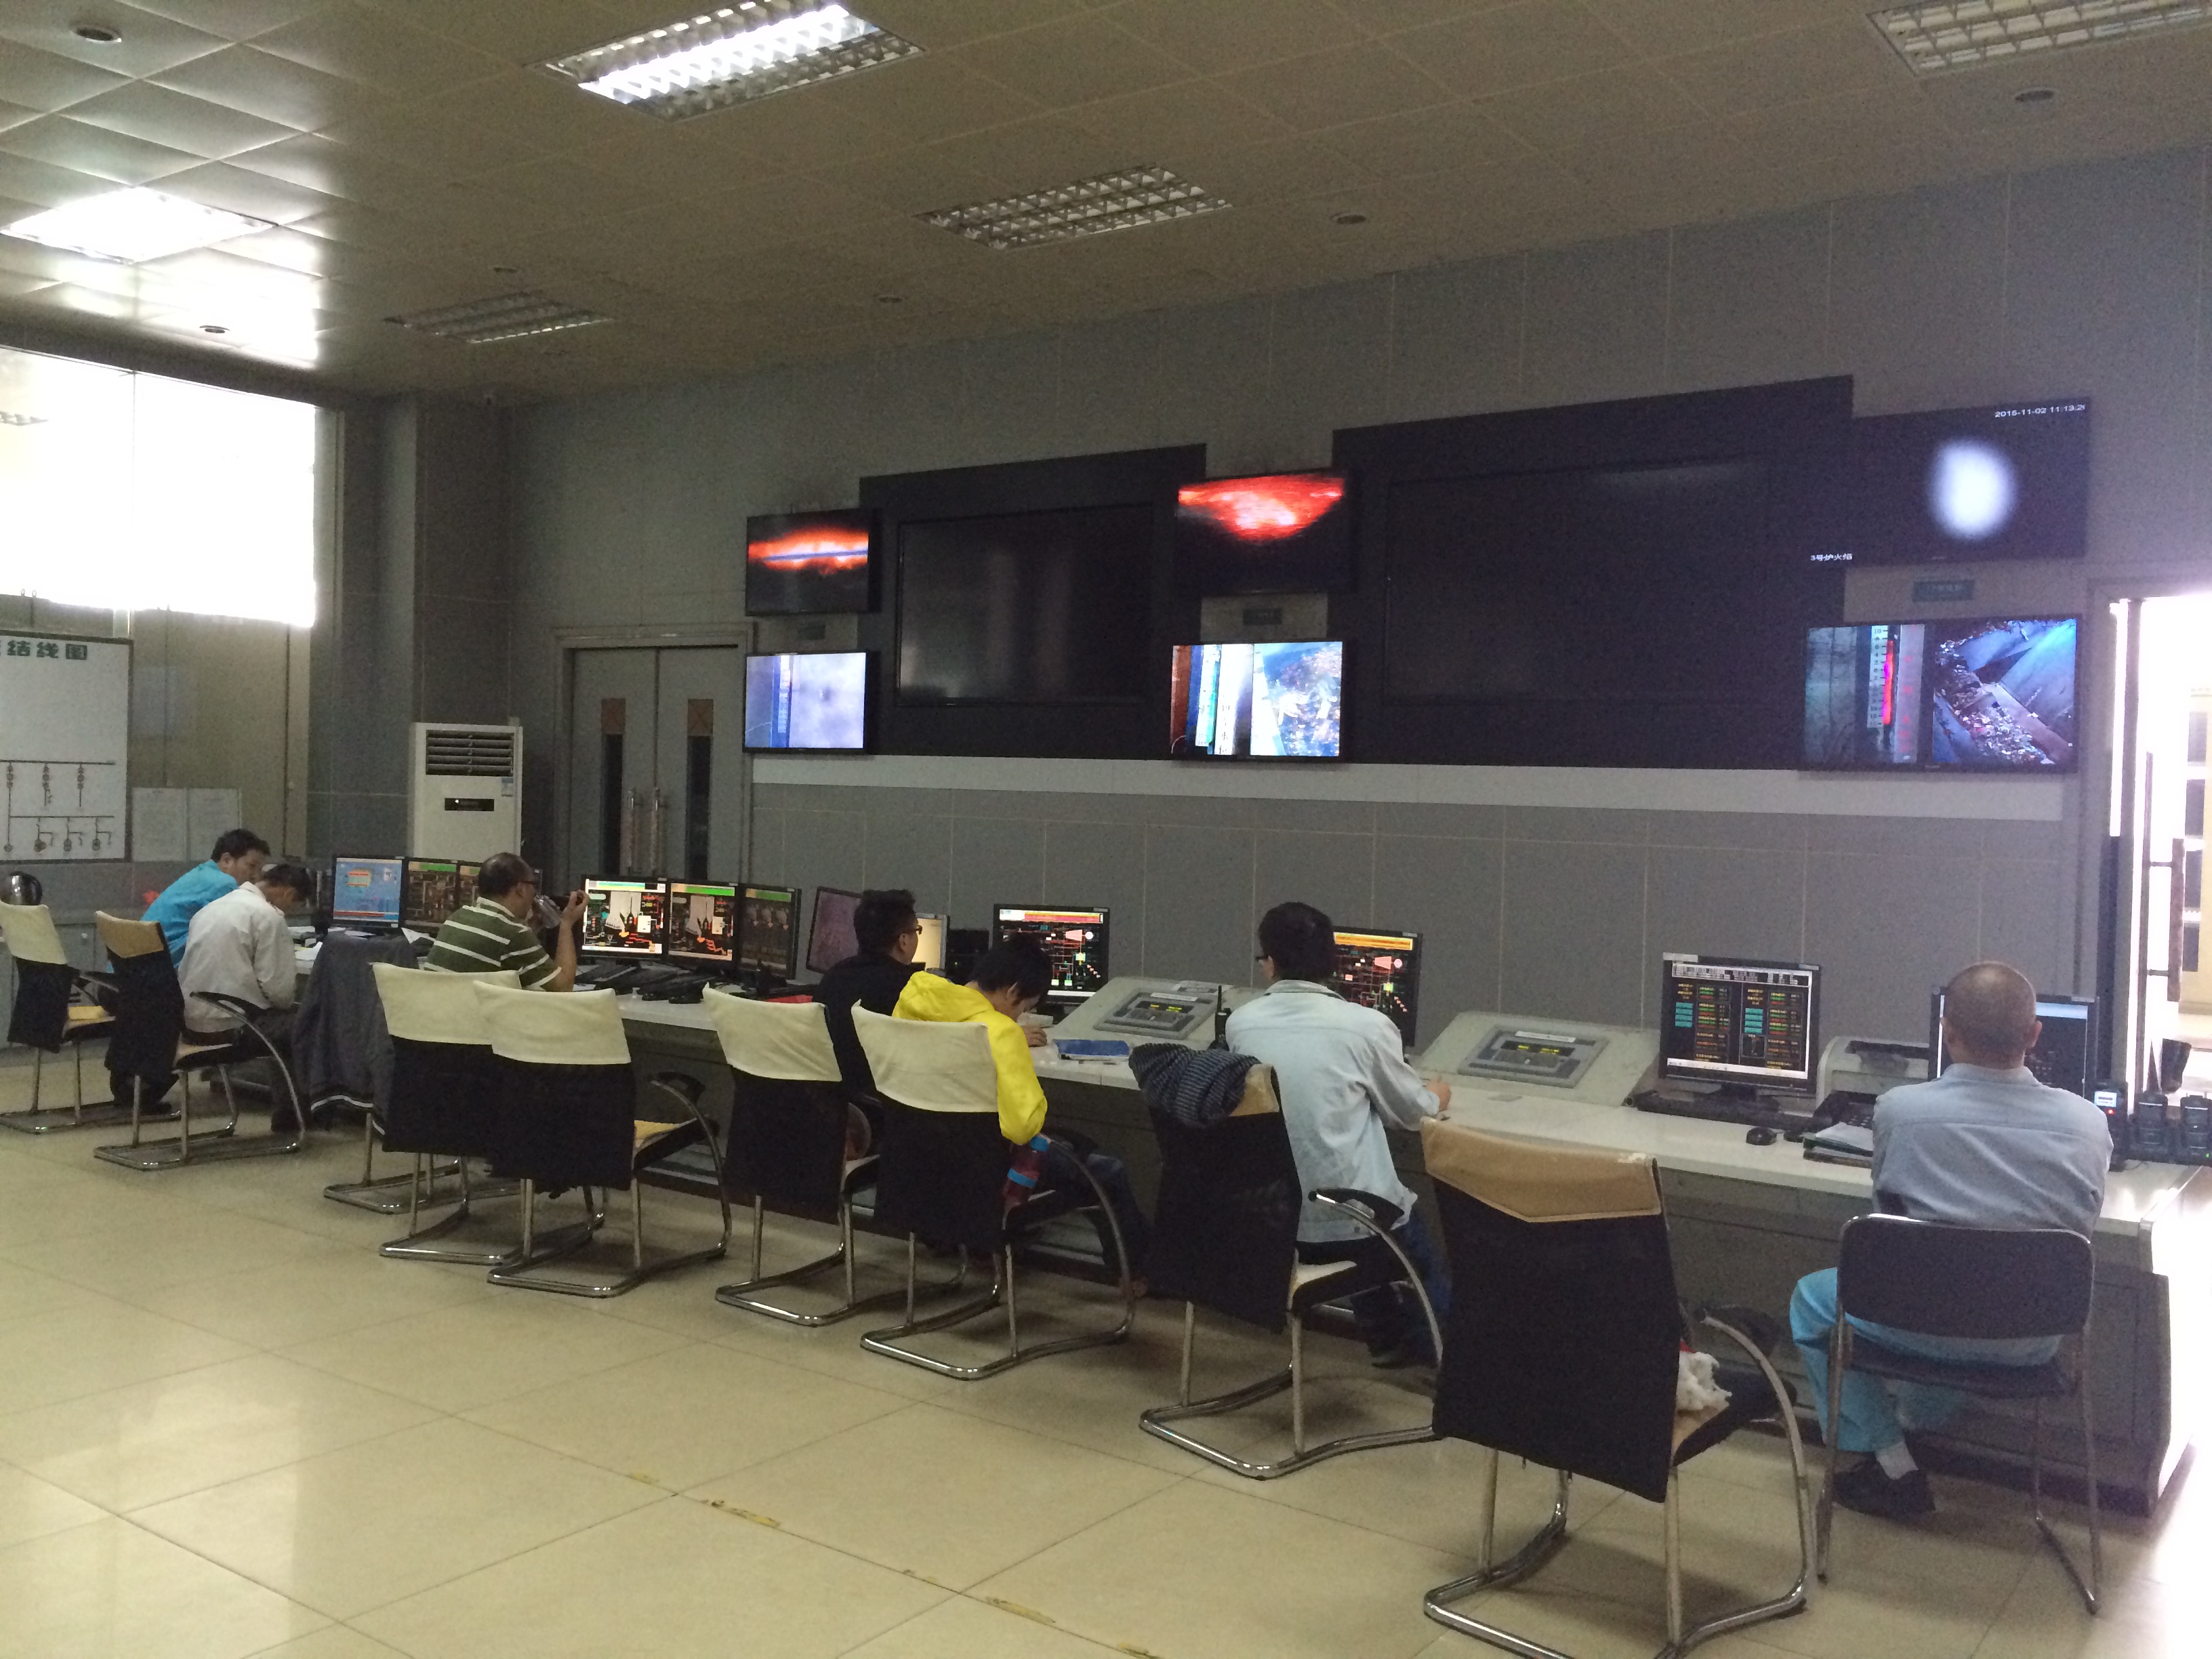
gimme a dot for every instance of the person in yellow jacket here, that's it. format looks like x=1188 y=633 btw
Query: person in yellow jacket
x=1010 y=981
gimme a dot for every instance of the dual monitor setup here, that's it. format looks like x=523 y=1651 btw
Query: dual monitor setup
x=379 y=894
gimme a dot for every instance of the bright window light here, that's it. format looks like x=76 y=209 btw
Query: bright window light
x=133 y=226
x=1953 y=34
x=135 y=492
x=729 y=56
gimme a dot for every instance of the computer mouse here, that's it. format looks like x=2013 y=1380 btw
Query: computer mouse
x=1759 y=1136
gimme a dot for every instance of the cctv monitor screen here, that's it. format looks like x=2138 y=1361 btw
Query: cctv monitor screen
x=1272 y=701
x=624 y=918
x=1959 y=484
x=930 y=952
x=365 y=893
x=1073 y=942
x=2004 y=694
x=703 y=922
x=1744 y=1024
x=2062 y=1055
x=815 y=701
x=1287 y=533
x=767 y=931
x=831 y=939
x=1866 y=701
x=431 y=889
x=1381 y=968
x=801 y=563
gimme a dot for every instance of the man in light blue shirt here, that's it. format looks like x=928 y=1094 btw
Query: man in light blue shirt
x=1983 y=1146
x=1341 y=1074
x=237 y=858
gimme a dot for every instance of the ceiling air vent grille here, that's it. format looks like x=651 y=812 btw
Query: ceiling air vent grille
x=468 y=754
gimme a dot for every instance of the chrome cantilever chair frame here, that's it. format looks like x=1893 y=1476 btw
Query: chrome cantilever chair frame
x=1547 y=1538
x=746 y=1292
x=36 y=945
x=397 y=1194
x=220 y=1146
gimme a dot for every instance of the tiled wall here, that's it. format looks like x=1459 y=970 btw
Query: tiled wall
x=1530 y=910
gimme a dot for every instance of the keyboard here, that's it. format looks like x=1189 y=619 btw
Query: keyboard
x=1726 y=1108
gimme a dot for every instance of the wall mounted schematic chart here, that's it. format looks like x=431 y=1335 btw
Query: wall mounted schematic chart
x=64 y=747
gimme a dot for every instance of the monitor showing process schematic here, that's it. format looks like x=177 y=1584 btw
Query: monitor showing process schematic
x=64 y=747
x=1742 y=1025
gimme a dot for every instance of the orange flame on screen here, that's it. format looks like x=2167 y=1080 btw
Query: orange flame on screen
x=1263 y=509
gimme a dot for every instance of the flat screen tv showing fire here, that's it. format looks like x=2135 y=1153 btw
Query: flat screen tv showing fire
x=1285 y=532
x=800 y=564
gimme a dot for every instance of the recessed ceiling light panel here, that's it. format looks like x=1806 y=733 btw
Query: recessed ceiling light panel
x=502 y=316
x=1112 y=201
x=133 y=226
x=731 y=55
x=1954 y=34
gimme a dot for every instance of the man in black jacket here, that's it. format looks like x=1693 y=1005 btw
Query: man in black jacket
x=888 y=931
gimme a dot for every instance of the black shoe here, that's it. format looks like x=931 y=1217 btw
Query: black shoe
x=1407 y=1352
x=1870 y=1492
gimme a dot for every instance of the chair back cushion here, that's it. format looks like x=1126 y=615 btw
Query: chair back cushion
x=785 y=1040
x=424 y=1007
x=568 y=1099
x=931 y=1066
x=442 y=1095
x=121 y=936
x=30 y=935
x=1224 y=1232
x=1964 y=1281
x=149 y=1013
x=543 y=1028
x=1561 y=1341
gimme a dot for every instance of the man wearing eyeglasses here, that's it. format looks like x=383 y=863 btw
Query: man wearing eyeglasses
x=493 y=932
x=888 y=932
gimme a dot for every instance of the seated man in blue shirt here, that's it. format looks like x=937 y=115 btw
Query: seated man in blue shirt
x=1341 y=1074
x=1983 y=1146
x=238 y=857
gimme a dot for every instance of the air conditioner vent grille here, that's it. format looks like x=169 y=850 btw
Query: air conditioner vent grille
x=468 y=754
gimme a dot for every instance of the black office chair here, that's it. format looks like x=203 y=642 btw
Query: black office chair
x=1979 y=1282
x=150 y=1044
x=1225 y=1239
x=1563 y=1347
x=567 y=1116
x=941 y=1174
x=47 y=1018
x=341 y=1052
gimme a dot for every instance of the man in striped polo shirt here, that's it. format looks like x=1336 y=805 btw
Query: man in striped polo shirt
x=495 y=931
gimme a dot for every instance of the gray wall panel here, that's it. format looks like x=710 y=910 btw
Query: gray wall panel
x=1447 y=891
x=1574 y=931
x=1886 y=931
x=1198 y=903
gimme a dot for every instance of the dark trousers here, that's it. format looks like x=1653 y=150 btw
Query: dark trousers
x=1060 y=1169
x=1389 y=1315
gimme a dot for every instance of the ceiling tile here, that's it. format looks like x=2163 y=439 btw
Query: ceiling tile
x=1679 y=177
x=1428 y=141
x=1193 y=118
x=1213 y=39
x=1866 y=119
x=41 y=81
x=233 y=19
x=921 y=99
x=1034 y=155
x=1287 y=167
x=938 y=24
x=1330 y=89
x=1656 y=28
x=908 y=181
x=40 y=183
x=219 y=184
x=527 y=31
x=192 y=124
x=1389 y=17
x=568 y=189
x=94 y=151
x=1782 y=69
x=1520 y=45
x=149 y=43
x=13 y=115
x=378 y=50
x=1074 y=62
x=436 y=138
x=275 y=88
x=1612 y=106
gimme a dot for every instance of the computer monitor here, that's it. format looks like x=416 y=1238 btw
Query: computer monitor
x=832 y=939
x=1283 y=700
x=703 y=922
x=2061 y=1057
x=1380 y=968
x=1746 y=1025
x=365 y=893
x=815 y=701
x=767 y=931
x=431 y=889
x=930 y=952
x=1074 y=942
x=624 y=917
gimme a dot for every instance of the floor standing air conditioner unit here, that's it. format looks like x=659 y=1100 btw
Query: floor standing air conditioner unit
x=467 y=791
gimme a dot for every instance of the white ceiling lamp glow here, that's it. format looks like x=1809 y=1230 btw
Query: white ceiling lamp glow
x=730 y=55
x=502 y=316
x=1954 y=34
x=1112 y=201
x=131 y=226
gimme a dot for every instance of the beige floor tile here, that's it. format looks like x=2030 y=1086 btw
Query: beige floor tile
x=211 y=1244
x=963 y=1628
x=31 y=1508
x=677 y=1579
x=355 y=1528
x=1197 y=1570
x=836 y=1350
x=25 y=1290
x=459 y=1357
x=98 y=1345
x=937 y=1494
x=332 y=1642
x=686 y=1416
x=2139 y=1618
x=324 y=1291
x=129 y=1447
x=72 y=1205
x=110 y=1590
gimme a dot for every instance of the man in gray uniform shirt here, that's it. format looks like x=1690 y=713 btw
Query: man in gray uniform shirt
x=1983 y=1146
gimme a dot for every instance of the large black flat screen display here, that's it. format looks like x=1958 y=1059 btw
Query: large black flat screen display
x=1628 y=585
x=1026 y=607
x=1958 y=484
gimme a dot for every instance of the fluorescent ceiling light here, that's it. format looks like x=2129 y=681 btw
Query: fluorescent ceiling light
x=502 y=316
x=133 y=226
x=1112 y=201
x=1952 y=35
x=730 y=55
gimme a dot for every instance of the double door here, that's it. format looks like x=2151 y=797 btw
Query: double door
x=656 y=763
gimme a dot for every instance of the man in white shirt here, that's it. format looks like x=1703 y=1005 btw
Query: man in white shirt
x=1341 y=1074
x=239 y=946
